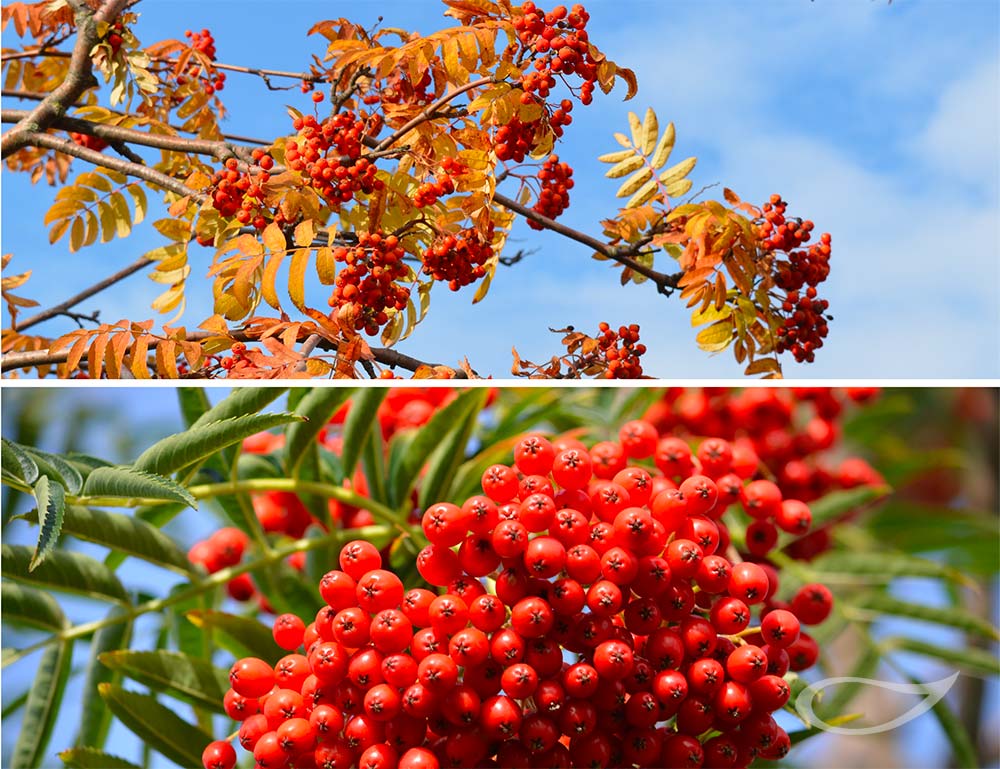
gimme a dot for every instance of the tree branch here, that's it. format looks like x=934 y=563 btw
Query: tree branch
x=383 y=355
x=96 y=288
x=126 y=167
x=118 y=135
x=78 y=79
x=664 y=283
x=428 y=113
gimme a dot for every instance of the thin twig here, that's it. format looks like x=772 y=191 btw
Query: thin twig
x=429 y=112
x=63 y=307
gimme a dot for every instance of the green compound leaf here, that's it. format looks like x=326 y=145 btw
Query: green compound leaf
x=51 y=499
x=95 y=719
x=129 y=483
x=156 y=725
x=183 y=449
x=42 y=707
x=188 y=678
x=25 y=606
x=63 y=570
x=17 y=463
x=90 y=758
x=240 y=636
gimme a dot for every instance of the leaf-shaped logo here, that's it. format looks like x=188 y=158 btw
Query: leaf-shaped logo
x=931 y=692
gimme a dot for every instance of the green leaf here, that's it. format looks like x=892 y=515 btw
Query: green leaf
x=426 y=439
x=203 y=440
x=125 y=534
x=240 y=402
x=882 y=603
x=157 y=725
x=95 y=719
x=42 y=708
x=971 y=659
x=156 y=516
x=879 y=568
x=57 y=468
x=839 y=503
x=89 y=758
x=241 y=636
x=51 y=499
x=189 y=639
x=17 y=462
x=63 y=570
x=373 y=464
x=446 y=459
x=314 y=410
x=361 y=418
x=188 y=678
x=23 y=605
x=130 y=483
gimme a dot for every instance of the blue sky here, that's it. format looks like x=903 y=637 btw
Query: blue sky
x=879 y=122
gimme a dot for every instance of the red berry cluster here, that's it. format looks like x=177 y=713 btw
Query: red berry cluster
x=367 y=283
x=557 y=181
x=622 y=351
x=239 y=192
x=222 y=549
x=214 y=80
x=560 y=44
x=515 y=140
x=328 y=155
x=459 y=259
x=805 y=324
x=427 y=194
x=616 y=630
x=90 y=142
x=789 y=430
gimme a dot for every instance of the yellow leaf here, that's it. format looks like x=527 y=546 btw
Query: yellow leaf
x=678 y=171
x=139 y=199
x=645 y=193
x=267 y=288
x=664 y=147
x=716 y=337
x=305 y=231
x=679 y=188
x=622 y=139
x=630 y=80
x=710 y=315
x=274 y=239
x=650 y=130
x=634 y=182
x=625 y=167
x=123 y=217
x=616 y=157
x=636 y=128
x=173 y=229
x=763 y=366
x=297 y=277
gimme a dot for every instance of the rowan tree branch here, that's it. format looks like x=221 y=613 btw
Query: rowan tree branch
x=79 y=78
x=118 y=135
x=665 y=283
x=429 y=112
x=383 y=355
x=154 y=177
x=96 y=288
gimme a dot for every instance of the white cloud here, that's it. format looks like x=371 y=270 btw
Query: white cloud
x=962 y=138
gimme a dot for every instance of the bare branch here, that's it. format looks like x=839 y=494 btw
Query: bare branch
x=664 y=283
x=96 y=288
